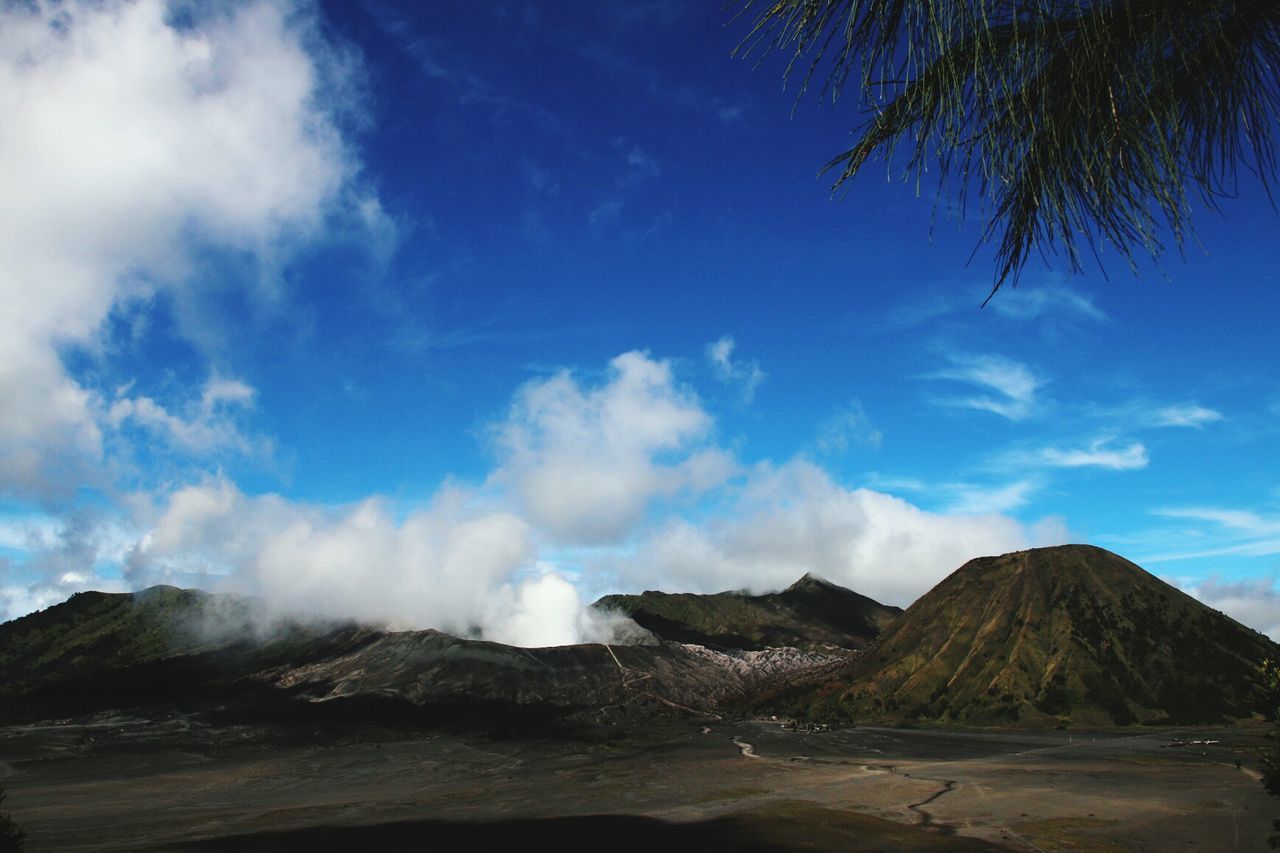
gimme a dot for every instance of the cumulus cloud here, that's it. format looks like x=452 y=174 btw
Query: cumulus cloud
x=1011 y=385
x=578 y=462
x=585 y=462
x=745 y=375
x=461 y=563
x=793 y=518
x=129 y=142
x=595 y=462
x=442 y=565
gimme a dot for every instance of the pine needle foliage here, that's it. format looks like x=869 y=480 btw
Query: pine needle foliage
x=1077 y=123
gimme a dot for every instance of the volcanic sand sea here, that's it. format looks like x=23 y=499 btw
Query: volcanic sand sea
x=128 y=784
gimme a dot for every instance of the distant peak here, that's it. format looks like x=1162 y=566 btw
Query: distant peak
x=810 y=580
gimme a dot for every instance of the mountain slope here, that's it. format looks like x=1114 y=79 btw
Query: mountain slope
x=159 y=646
x=811 y=613
x=1067 y=634
x=166 y=649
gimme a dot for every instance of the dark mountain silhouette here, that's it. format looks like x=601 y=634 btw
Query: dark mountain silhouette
x=811 y=613
x=1071 y=634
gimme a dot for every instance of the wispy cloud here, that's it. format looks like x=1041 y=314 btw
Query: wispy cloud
x=1189 y=415
x=1055 y=305
x=1239 y=520
x=540 y=179
x=641 y=164
x=847 y=428
x=1056 y=301
x=639 y=167
x=202 y=426
x=1218 y=532
x=983 y=499
x=452 y=68
x=1012 y=385
x=743 y=374
x=1099 y=454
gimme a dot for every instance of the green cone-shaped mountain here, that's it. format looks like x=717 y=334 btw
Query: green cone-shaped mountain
x=1066 y=634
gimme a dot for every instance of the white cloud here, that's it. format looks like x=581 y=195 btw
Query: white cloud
x=1099 y=454
x=205 y=426
x=459 y=564
x=1055 y=306
x=579 y=463
x=55 y=556
x=128 y=142
x=1255 y=603
x=979 y=500
x=1235 y=532
x=30 y=532
x=1240 y=520
x=585 y=462
x=1013 y=384
x=1055 y=301
x=793 y=519
x=1184 y=416
x=453 y=564
x=746 y=375
x=18 y=600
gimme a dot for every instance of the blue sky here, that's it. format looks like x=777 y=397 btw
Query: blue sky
x=460 y=316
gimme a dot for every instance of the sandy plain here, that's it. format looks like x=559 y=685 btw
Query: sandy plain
x=180 y=785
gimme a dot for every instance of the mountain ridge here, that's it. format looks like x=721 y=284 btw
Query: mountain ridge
x=154 y=650
x=811 y=613
x=1071 y=635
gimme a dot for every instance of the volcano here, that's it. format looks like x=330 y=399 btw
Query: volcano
x=1051 y=636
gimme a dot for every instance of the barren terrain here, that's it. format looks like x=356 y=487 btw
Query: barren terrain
x=129 y=784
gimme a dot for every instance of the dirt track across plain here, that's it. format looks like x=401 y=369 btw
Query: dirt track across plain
x=122 y=784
